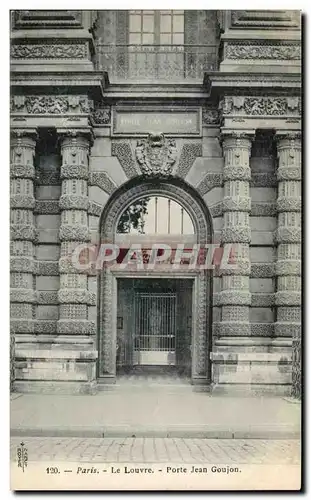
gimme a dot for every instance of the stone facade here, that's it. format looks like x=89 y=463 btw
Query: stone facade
x=222 y=136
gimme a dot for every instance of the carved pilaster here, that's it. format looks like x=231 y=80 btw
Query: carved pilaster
x=288 y=236
x=73 y=294
x=235 y=297
x=23 y=233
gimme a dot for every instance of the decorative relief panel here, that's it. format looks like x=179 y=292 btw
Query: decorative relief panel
x=263 y=51
x=123 y=151
x=50 y=104
x=156 y=155
x=73 y=50
x=259 y=106
x=101 y=116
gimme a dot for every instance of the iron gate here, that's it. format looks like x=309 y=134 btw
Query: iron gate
x=155 y=329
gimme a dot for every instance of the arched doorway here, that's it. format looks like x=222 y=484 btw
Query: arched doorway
x=158 y=314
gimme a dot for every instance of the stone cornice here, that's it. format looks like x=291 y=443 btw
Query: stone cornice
x=86 y=81
x=217 y=81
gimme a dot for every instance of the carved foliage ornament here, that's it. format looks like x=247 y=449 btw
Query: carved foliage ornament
x=280 y=52
x=261 y=105
x=50 y=104
x=156 y=155
x=101 y=116
x=49 y=51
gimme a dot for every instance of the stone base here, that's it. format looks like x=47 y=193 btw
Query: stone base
x=53 y=365
x=54 y=387
x=252 y=372
x=251 y=389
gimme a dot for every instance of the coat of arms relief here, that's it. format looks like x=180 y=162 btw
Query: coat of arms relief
x=156 y=155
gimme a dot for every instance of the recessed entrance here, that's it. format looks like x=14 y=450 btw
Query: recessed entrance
x=154 y=326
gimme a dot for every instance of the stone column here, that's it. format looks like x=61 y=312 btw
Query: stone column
x=288 y=237
x=23 y=232
x=235 y=297
x=73 y=294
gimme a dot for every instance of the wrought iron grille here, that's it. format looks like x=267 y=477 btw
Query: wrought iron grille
x=156 y=62
x=155 y=329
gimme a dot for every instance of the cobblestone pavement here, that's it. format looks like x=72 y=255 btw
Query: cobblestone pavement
x=161 y=450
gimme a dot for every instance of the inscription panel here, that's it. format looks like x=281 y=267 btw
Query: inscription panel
x=171 y=122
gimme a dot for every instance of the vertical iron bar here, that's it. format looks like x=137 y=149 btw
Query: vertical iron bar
x=156 y=215
x=169 y=217
x=182 y=220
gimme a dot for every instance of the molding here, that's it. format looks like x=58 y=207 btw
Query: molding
x=36 y=19
x=264 y=19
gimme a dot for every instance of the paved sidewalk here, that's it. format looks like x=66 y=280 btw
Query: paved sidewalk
x=155 y=414
x=159 y=450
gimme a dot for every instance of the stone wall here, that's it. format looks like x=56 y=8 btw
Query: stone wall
x=238 y=146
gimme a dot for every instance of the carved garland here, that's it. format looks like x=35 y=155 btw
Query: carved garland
x=49 y=51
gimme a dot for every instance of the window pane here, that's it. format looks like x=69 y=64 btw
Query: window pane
x=135 y=23
x=135 y=39
x=165 y=26
x=165 y=39
x=148 y=24
x=178 y=24
x=148 y=38
x=178 y=39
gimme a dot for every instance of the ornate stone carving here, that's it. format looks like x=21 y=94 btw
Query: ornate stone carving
x=73 y=202
x=156 y=155
x=102 y=180
x=101 y=116
x=263 y=270
x=123 y=151
x=50 y=104
x=210 y=116
x=263 y=179
x=190 y=151
x=210 y=181
x=94 y=209
x=263 y=51
x=262 y=329
x=261 y=106
x=46 y=268
x=74 y=50
x=47 y=298
x=296 y=368
x=263 y=209
x=76 y=296
x=263 y=300
x=216 y=210
x=76 y=327
x=46 y=207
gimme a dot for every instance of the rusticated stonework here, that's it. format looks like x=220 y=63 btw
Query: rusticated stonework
x=123 y=151
x=156 y=155
x=235 y=297
x=263 y=51
x=190 y=151
x=49 y=51
x=102 y=180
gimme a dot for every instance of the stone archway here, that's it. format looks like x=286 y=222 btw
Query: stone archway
x=189 y=199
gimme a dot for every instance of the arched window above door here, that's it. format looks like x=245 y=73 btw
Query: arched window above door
x=155 y=215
